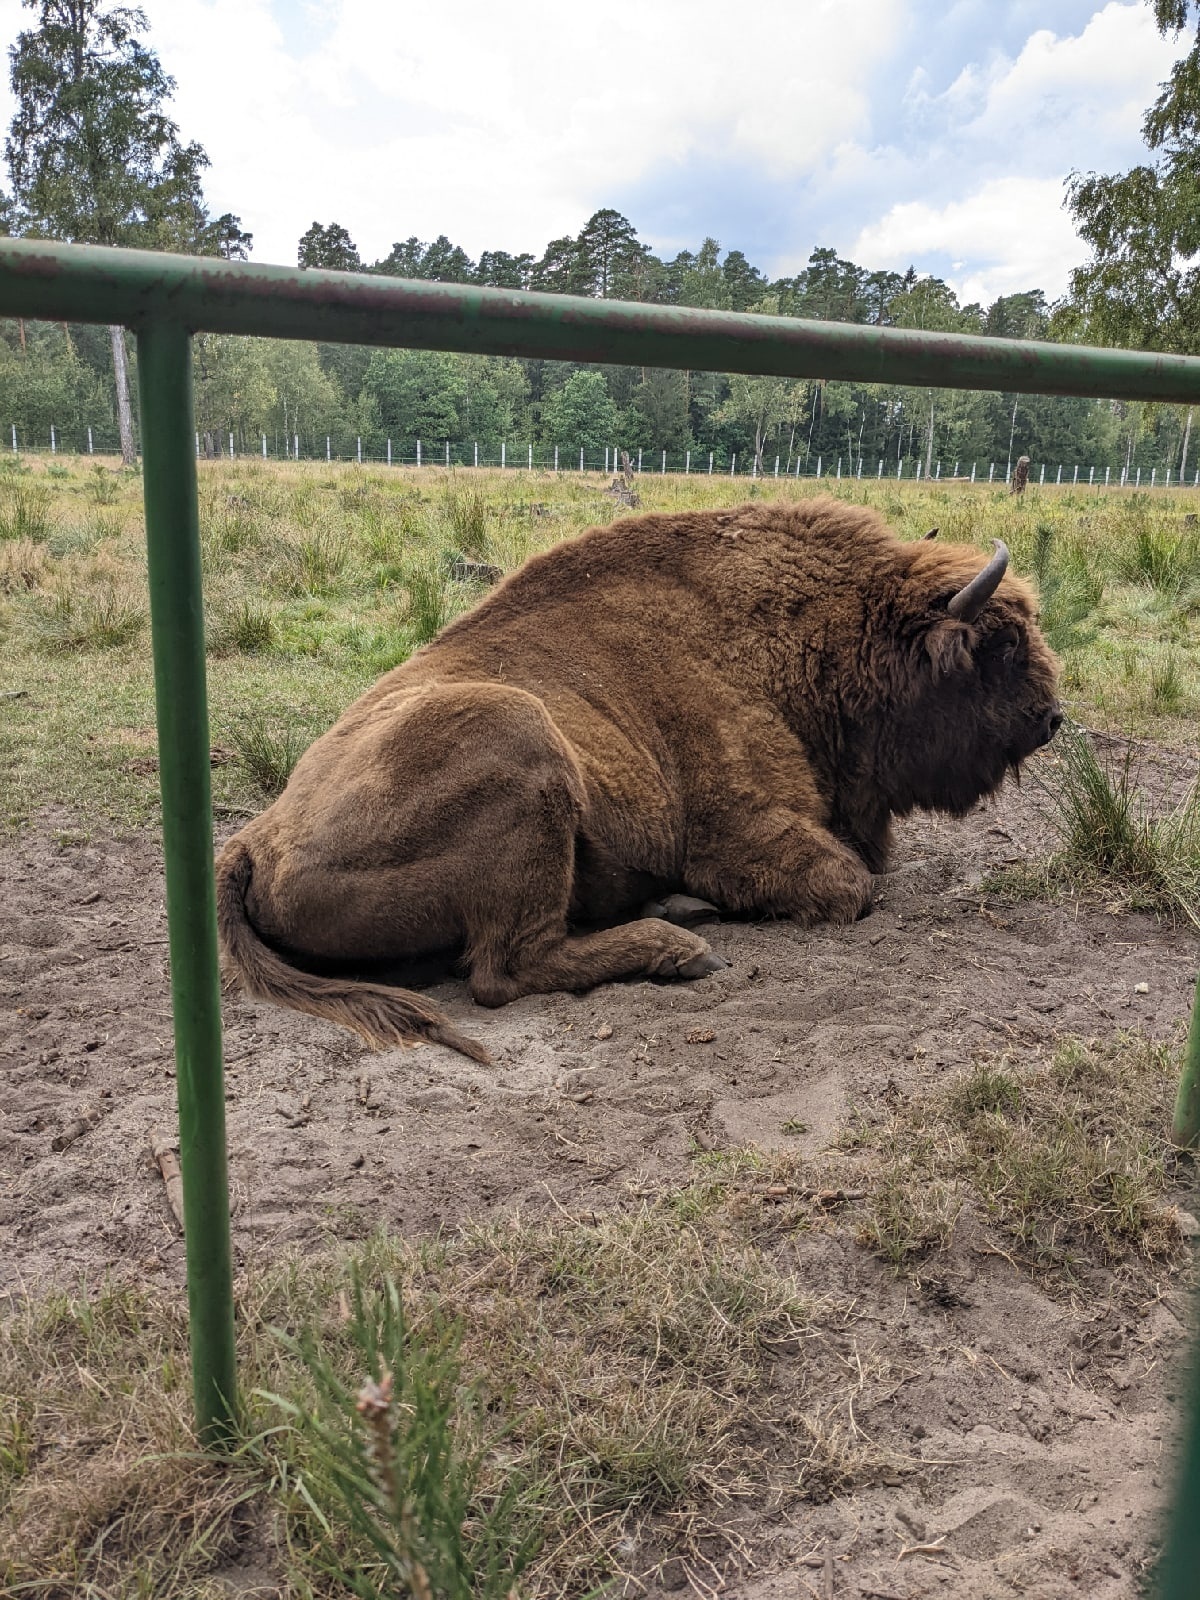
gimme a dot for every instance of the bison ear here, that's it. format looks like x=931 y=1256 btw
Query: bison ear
x=932 y=534
x=948 y=645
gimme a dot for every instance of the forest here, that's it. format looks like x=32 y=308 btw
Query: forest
x=314 y=398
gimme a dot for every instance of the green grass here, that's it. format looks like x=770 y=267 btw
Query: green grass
x=554 y=1384
x=319 y=578
x=1069 y=1160
x=1112 y=836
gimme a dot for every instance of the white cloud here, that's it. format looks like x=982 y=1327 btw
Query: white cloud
x=1011 y=234
x=1009 y=132
x=501 y=126
x=1065 y=102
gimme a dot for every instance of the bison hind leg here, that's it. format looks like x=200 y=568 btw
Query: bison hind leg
x=649 y=948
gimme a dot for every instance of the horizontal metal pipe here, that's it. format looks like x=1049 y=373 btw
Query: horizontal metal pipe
x=87 y=283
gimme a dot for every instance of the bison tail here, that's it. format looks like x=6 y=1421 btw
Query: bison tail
x=378 y=1013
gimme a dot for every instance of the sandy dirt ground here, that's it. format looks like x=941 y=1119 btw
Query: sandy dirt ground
x=1033 y=1429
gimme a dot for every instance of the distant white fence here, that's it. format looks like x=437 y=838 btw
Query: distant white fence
x=102 y=439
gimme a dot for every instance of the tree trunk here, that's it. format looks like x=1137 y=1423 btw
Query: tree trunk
x=1187 y=439
x=124 y=415
x=929 y=442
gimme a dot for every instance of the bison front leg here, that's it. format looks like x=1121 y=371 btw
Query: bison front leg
x=778 y=864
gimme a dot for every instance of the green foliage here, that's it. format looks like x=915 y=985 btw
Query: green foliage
x=418 y=393
x=580 y=415
x=383 y=1458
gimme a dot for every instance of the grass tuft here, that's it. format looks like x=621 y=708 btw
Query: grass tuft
x=104 y=620
x=267 y=752
x=25 y=511
x=1108 y=833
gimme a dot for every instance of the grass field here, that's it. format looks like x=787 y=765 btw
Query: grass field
x=598 y=1392
x=319 y=578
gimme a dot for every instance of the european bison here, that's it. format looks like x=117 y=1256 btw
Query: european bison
x=729 y=705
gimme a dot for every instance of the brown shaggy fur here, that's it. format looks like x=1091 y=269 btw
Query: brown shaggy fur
x=732 y=704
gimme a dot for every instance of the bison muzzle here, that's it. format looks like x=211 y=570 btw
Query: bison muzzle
x=724 y=707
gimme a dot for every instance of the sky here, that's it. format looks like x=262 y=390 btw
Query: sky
x=897 y=132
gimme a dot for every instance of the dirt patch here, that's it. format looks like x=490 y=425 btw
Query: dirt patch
x=1032 y=1428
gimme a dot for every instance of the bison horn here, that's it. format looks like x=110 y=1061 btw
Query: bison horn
x=970 y=601
x=932 y=534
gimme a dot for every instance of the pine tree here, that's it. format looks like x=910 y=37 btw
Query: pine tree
x=330 y=247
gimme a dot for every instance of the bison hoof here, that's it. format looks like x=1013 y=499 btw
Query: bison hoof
x=682 y=910
x=701 y=966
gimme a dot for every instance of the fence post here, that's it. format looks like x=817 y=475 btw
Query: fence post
x=899 y=469
x=1153 y=470
x=859 y=472
x=177 y=634
x=1107 y=470
x=231 y=447
x=955 y=473
x=531 y=457
x=581 y=458
x=296 y=447
x=447 y=452
x=733 y=464
x=358 y=449
x=477 y=452
x=639 y=460
x=991 y=470
x=54 y=442
x=1042 y=478
x=606 y=459
x=776 y=466
x=938 y=473
x=1138 y=484
x=503 y=451
x=664 y=465
x=879 y=474
x=1091 y=476
x=329 y=448
x=418 y=452
x=972 y=472
x=1075 y=479
x=820 y=459
x=1167 y=479
x=556 y=458
x=389 y=452
x=839 y=471
x=687 y=463
x=14 y=429
x=90 y=450
x=710 y=455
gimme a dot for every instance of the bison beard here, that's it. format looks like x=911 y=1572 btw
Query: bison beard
x=725 y=705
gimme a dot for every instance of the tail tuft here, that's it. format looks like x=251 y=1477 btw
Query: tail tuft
x=384 y=1017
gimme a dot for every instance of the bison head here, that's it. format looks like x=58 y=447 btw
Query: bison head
x=974 y=682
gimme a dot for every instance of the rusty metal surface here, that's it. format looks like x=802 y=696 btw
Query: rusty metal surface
x=87 y=283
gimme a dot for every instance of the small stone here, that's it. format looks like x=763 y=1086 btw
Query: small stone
x=1141 y=988
x=700 y=1035
x=604 y=1031
x=1188 y=1225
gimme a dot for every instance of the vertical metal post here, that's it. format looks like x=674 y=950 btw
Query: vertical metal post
x=1181 y=1551
x=177 y=631
x=1186 y=1130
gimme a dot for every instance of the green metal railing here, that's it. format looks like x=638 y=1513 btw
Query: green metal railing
x=164 y=299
